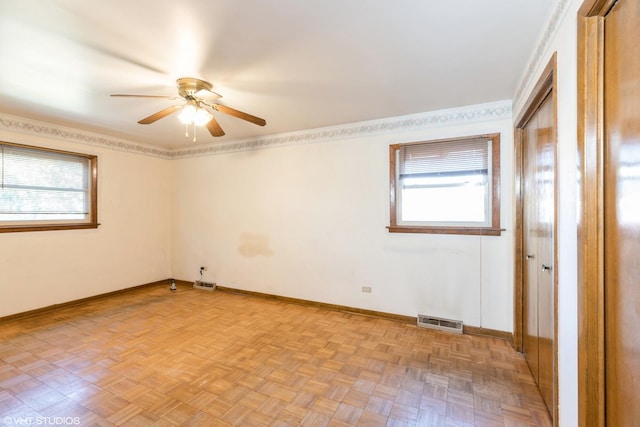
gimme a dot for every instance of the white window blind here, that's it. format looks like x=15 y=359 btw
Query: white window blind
x=41 y=185
x=446 y=158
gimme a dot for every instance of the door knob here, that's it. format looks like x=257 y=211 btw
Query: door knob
x=529 y=256
x=546 y=267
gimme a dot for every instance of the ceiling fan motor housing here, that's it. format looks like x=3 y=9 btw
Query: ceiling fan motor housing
x=189 y=86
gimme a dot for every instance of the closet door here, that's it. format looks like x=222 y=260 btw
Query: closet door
x=538 y=229
x=530 y=244
x=545 y=256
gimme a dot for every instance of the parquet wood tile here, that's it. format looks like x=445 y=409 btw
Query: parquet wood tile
x=151 y=357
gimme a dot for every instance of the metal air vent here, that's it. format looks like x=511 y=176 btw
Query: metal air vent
x=440 y=324
x=205 y=286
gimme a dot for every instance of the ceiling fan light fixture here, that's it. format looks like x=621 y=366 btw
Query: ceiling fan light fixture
x=193 y=111
x=202 y=117
x=191 y=114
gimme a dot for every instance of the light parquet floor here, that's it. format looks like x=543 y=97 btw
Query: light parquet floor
x=198 y=358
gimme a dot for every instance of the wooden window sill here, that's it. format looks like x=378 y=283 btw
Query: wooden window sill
x=46 y=227
x=471 y=231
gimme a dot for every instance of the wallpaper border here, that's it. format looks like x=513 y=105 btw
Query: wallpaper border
x=49 y=130
x=492 y=111
x=454 y=116
x=530 y=75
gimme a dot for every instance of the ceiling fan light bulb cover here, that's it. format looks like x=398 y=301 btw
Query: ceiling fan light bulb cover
x=202 y=117
x=187 y=115
x=191 y=114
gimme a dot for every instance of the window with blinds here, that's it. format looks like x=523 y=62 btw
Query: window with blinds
x=46 y=189
x=446 y=186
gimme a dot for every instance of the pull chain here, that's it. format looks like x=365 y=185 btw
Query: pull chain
x=186 y=132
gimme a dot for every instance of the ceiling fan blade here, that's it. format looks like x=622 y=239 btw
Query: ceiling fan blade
x=214 y=128
x=160 y=114
x=143 y=96
x=239 y=114
x=209 y=92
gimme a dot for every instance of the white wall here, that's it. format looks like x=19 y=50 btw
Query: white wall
x=305 y=220
x=562 y=38
x=131 y=247
x=308 y=221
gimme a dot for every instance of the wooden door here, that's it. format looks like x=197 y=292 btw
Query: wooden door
x=622 y=213
x=530 y=225
x=545 y=160
x=545 y=266
x=538 y=244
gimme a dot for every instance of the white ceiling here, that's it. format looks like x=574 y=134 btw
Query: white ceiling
x=299 y=64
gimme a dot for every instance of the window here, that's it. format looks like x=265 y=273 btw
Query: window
x=449 y=186
x=43 y=189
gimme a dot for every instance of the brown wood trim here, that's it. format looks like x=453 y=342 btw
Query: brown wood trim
x=554 y=83
x=316 y=304
x=472 y=231
x=543 y=87
x=591 y=331
x=469 y=330
x=496 y=195
x=50 y=150
x=50 y=308
x=17 y=229
x=393 y=218
x=592 y=8
x=486 y=332
x=518 y=243
x=94 y=191
x=546 y=84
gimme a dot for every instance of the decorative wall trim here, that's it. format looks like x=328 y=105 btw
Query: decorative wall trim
x=492 y=111
x=49 y=130
x=498 y=110
x=537 y=59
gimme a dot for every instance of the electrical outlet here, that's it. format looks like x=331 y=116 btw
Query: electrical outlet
x=366 y=289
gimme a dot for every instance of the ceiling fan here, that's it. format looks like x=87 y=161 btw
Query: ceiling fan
x=195 y=109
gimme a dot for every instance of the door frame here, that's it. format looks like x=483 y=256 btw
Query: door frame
x=547 y=84
x=591 y=283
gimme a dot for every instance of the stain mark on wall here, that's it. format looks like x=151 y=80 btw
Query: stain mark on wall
x=251 y=245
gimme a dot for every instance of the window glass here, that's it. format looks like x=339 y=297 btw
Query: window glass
x=446 y=186
x=40 y=187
